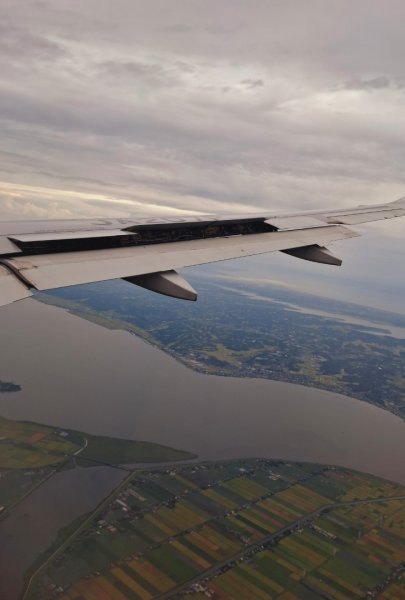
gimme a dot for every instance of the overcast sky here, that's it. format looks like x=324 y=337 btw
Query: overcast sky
x=131 y=107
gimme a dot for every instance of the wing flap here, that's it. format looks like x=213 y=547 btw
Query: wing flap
x=50 y=271
x=293 y=222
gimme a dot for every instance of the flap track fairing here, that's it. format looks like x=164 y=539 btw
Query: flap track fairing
x=315 y=253
x=168 y=283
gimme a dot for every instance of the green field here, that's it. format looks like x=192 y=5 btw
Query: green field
x=257 y=528
x=31 y=452
x=343 y=554
x=31 y=445
x=119 y=451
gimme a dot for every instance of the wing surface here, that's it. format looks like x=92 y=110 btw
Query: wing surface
x=11 y=288
x=42 y=256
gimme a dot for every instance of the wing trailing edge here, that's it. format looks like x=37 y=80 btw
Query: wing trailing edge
x=147 y=252
x=49 y=271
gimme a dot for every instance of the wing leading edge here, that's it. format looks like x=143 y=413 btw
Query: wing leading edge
x=42 y=256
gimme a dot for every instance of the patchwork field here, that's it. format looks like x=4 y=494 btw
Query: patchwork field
x=29 y=445
x=253 y=529
x=346 y=553
x=31 y=452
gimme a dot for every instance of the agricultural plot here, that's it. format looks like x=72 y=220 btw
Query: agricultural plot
x=28 y=454
x=246 y=489
x=32 y=446
x=176 y=484
x=205 y=475
x=223 y=497
x=395 y=590
x=144 y=495
x=345 y=554
x=272 y=514
x=31 y=452
x=257 y=527
x=345 y=485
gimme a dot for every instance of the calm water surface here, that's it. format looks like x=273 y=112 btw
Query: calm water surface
x=79 y=375
x=33 y=524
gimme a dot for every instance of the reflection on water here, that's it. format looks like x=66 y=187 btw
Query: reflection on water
x=33 y=524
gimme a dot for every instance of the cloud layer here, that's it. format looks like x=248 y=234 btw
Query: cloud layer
x=133 y=107
x=204 y=106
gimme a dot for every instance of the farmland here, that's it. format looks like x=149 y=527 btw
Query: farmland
x=30 y=445
x=30 y=453
x=238 y=529
x=261 y=331
x=342 y=554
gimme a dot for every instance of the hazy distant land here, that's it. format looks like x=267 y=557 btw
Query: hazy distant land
x=270 y=332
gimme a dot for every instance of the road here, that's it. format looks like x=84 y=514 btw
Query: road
x=268 y=539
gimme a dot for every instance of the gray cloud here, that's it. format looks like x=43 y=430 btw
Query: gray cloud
x=211 y=106
x=138 y=73
x=374 y=83
x=253 y=83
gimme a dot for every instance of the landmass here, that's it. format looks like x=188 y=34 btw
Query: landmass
x=269 y=332
x=239 y=529
x=8 y=386
x=236 y=529
x=229 y=530
x=30 y=453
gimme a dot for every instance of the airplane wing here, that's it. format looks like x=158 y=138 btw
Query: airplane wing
x=37 y=255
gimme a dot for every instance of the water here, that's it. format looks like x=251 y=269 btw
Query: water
x=79 y=375
x=33 y=524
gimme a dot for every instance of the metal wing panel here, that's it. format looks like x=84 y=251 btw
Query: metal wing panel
x=49 y=271
x=346 y=216
x=7 y=246
x=27 y=238
x=365 y=216
x=359 y=214
x=11 y=289
x=299 y=222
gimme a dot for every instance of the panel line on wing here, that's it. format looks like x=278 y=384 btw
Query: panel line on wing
x=16 y=272
x=11 y=288
x=59 y=270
